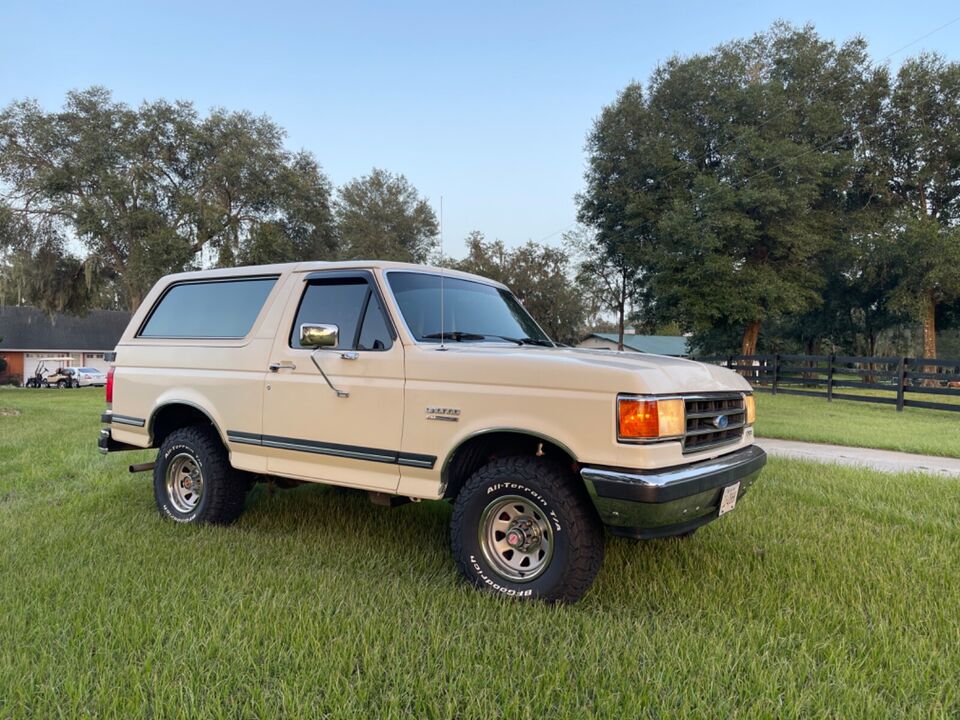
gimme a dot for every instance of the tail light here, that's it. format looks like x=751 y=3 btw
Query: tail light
x=110 y=384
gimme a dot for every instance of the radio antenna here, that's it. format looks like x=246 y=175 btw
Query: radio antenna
x=442 y=346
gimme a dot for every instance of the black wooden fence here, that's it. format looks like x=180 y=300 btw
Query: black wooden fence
x=901 y=381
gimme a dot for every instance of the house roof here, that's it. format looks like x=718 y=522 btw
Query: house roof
x=675 y=345
x=29 y=328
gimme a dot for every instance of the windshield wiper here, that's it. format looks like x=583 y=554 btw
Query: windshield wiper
x=535 y=341
x=458 y=336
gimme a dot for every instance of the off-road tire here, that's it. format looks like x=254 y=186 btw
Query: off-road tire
x=224 y=491
x=577 y=533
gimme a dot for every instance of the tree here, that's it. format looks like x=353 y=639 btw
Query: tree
x=381 y=216
x=726 y=179
x=607 y=274
x=37 y=269
x=539 y=275
x=620 y=204
x=922 y=144
x=251 y=200
x=145 y=191
x=303 y=227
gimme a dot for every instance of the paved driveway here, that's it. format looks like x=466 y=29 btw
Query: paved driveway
x=881 y=460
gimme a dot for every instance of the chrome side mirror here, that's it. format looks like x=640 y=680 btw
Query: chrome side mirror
x=319 y=336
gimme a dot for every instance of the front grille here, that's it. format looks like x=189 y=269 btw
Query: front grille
x=704 y=424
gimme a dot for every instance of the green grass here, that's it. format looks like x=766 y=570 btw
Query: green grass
x=860 y=424
x=828 y=592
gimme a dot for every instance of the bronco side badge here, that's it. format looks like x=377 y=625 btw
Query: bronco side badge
x=442 y=413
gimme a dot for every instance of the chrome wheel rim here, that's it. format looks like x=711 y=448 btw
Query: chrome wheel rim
x=516 y=538
x=184 y=483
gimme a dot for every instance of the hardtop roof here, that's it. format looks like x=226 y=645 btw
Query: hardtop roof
x=314 y=265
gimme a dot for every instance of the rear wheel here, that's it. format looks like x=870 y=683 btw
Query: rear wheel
x=193 y=481
x=61 y=384
x=524 y=528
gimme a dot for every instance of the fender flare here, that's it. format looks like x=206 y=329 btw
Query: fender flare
x=445 y=467
x=203 y=411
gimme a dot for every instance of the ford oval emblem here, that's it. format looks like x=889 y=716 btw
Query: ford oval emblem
x=721 y=421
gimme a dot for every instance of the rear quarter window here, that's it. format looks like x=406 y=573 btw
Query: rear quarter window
x=211 y=309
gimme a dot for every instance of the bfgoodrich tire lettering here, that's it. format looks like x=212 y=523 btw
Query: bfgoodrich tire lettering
x=543 y=514
x=193 y=481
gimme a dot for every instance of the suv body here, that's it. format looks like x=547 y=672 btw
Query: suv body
x=336 y=373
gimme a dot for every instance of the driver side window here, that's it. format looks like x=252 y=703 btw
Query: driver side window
x=351 y=305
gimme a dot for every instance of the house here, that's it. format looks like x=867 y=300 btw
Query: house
x=675 y=345
x=29 y=334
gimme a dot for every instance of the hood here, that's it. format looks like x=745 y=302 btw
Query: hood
x=579 y=369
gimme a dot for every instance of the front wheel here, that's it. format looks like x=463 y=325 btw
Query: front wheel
x=193 y=481
x=525 y=528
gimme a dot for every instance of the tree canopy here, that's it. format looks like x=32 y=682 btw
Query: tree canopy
x=144 y=191
x=920 y=148
x=381 y=216
x=727 y=178
x=539 y=275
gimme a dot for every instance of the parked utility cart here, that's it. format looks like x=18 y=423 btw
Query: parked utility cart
x=43 y=377
x=412 y=383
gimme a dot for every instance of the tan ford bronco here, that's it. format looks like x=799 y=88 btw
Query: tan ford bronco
x=414 y=383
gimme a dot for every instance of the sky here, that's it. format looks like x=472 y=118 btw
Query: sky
x=487 y=105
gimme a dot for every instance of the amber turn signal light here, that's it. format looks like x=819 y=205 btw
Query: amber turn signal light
x=751 y=408
x=649 y=418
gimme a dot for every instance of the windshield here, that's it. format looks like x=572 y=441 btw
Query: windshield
x=472 y=311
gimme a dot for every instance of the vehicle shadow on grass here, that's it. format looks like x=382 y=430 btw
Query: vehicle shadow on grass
x=318 y=518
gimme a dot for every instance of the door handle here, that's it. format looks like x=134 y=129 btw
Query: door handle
x=282 y=365
x=350 y=355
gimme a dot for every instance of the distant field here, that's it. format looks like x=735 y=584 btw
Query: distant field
x=846 y=422
x=830 y=592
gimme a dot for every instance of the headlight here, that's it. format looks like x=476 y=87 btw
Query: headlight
x=640 y=418
x=751 y=407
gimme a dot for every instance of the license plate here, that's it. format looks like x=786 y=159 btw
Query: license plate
x=728 y=501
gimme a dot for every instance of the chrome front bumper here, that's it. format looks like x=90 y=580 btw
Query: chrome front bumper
x=671 y=501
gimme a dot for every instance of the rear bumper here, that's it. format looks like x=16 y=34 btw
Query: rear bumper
x=106 y=443
x=671 y=501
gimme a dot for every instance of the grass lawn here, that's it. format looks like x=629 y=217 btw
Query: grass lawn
x=828 y=592
x=846 y=422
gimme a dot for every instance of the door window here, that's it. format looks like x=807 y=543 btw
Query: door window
x=374 y=333
x=351 y=305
